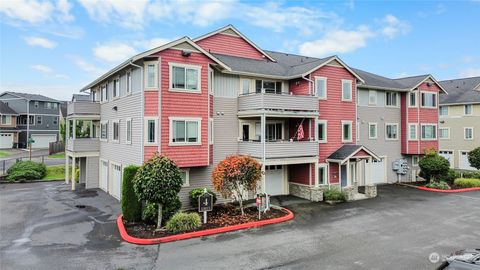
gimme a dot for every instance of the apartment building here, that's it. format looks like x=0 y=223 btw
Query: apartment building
x=8 y=126
x=459 y=130
x=199 y=100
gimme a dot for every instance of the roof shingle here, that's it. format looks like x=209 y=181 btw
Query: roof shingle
x=461 y=91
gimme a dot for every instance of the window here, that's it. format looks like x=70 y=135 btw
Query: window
x=31 y=119
x=468 y=133
x=211 y=80
x=151 y=75
x=128 y=130
x=346 y=131
x=116 y=88
x=129 y=82
x=115 y=130
x=391 y=131
x=6 y=119
x=391 y=99
x=104 y=130
x=185 y=131
x=467 y=109
x=55 y=120
x=429 y=100
x=321 y=87
x=55 y=106
x=245 y=86
x=412 y=99
x=185 y=175
x=210 y=130
x=412 y=132
x=151 y=124
x=39 y=119
x=443 y=110
x=274 y=132
x=185 y=78
x=444 y=133
x=415 y=160
x=372 y=130
x=429 y=132
x=104 y=93
x=322 y=174
x=372 y=97
x=346 y=90
x=271 y=87
x=36 y=104
x=322 y=131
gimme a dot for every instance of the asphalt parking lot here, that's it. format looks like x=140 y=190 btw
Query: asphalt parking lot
x=42 y=227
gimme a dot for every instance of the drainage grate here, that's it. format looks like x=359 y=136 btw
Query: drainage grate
x=81 y=206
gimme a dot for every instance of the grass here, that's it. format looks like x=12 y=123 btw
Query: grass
x=4 y=154
x=55 y=172
x=57 y=155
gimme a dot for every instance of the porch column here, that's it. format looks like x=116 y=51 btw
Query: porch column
x=67 y=161
x=74 y=128
x=349 y=173
x=67 y=129
x=74 y=181
x=262 y=134
x=316 y=174
x=368 y=180
x=315 y=128
x=91 y=129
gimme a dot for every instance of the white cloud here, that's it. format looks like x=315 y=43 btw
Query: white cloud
x=42 y=68
x=88 y=67
x=401 y=75
x=392 y=26
x=30 y=11
x=113 y=52
x=470 y=72
x=338 y=41
x=152 y=43
x=39 y=41
x=127 y=13
x=63 y=7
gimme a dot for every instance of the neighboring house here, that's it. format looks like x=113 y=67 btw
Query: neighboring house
x=200 y=100
x=8 y=126
x=460 y=121
x=38 y=118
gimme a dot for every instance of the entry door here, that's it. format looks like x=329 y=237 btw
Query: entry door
x=464 y=163
x=6 y=140
x=245 y=133
x=104 y=176
x=448 y=155
x=274 y=180
x=344 y=180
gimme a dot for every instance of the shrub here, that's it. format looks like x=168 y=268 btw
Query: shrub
x=182 y=222
x=471 y=175
x=434 y=166
x=467 y=182
x=474 y=158
x=150 y=211
x=449 y=177
x=334 y=195
x=27 y=170
x=195 y=193
x=131 y=205
x=438 y=185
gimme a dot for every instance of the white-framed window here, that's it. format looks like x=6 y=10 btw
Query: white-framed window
x=39 y=120
x=322 y=131
x=128 y=130
x=467 y=109
x=347 y=90
x=266 y=86
x=443 y=110
x=151 y=130
x=104 y=130
x=151 y=75
x=31 y=120
x=415 y=160
x=55 y=120
x=346 y=131
x=322 y=174
x=185 y=175
x=185 y=131
x=55 y=106
x=6 y=119
x=116 y=88
x=128 y=85
x=115 y=130
x=321 y=87
x=36 y=104
x=391 y=131
x=103 y=93
x=412 y=132
x=245 y=86
x=372 y=97
x=185 y=78
x=391 y=99
x=468 y=133
x=211 y=80
x=372 y=130
x=429 y=132
x=429 y=100
x=444 y=133
x=210 y=130
x=412 y=99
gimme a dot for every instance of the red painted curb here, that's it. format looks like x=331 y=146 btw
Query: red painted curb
x=449 y=190
x=171 y=238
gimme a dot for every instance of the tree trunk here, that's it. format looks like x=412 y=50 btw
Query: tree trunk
x=240 y=201
x=159 y=217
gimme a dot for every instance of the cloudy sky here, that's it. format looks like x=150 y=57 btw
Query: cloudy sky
x=56 y=47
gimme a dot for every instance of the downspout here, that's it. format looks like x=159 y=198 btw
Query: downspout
x=159 y=110
x=310 y=82
x=142 y=108
x=28 y=121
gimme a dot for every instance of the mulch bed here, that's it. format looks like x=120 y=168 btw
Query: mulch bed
x=424 y=184
x=220 y=216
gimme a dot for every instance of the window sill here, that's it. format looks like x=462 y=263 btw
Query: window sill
x=150 y=144
x=104 y=140
x=184 y=144
x=429 y=139
x=391 y=139
x=373 y=138
x=185 y=91
x=350 y=141
x=151 y=89
x=322 y=142
x=413 y=140
x=346 y=100
x=423 y=107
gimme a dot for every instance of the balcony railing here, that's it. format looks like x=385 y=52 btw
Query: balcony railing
x=83 y=107
x=83 y=145
x=259 y=101
x=280 y=149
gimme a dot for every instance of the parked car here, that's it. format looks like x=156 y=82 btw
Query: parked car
x=468 y=259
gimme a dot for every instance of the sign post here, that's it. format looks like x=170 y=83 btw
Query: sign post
x=29 y=142
x=205 y=204
x=263 y=203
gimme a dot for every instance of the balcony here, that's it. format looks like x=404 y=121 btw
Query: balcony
x=83 y=145
x=83 y=108
x=279 y=102
x=279 y=149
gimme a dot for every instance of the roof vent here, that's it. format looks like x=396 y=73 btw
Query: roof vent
x=186 y=53
x=429 y=84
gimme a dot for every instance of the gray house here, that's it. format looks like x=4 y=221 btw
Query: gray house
x=38 y=118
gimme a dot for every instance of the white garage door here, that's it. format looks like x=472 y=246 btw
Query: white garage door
x=274 y=180
x=116 y=181
x=448 y=155
x=464 y=163
x=6 y=140
x=378 y=171
x=104 y=175
x=43 y=140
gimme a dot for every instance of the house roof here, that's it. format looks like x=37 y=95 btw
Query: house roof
x=347 y=151
x=461 y=91
x=80 y=97
x=35 y=97
x=379 y=82
x=5 y=109
x=63 y=108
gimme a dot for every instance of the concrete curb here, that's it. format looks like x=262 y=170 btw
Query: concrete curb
x=31 y=181
x=255 y=224
x=441 y=190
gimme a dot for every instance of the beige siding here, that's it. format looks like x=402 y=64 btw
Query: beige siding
x=92 y=172
x=83 y=145
x=277 y=102
x=83 y=108
x=279 y=149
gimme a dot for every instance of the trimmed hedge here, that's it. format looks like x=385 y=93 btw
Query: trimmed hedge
x=438 y=185
x=26 y=170
x=150 y=211
x=471 y=175
x=467 y=182
x=334 y=195
x=182 y=222
x=195 y=193
x=131 y=205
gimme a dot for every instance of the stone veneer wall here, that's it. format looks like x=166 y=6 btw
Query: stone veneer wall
x=314 y=194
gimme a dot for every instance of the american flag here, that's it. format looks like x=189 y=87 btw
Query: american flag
x=300 y=134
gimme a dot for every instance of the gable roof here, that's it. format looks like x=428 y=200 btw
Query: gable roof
x=27 y=96
x=5 y=109
x=347 y=151
x=80 y=97
x=461 y=91
x=405 y=84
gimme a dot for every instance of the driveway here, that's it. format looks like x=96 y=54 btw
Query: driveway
x=41 y=228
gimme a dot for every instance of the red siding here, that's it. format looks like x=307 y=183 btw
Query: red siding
x=151 y=103
x=361 y=153
x=230 y=45
x=299 y=173
x=293 y=124
x=299 y=87
x=334 y=173
x=148 y=152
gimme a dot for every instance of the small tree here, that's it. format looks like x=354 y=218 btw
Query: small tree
x=474 y=158
x=236 y=174
x=158 y=181
x=131 y=205
x=434 y=166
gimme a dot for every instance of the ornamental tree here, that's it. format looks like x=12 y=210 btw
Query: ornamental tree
x=433 y=166
x=236 y=174
x=474 y=158
x=158 y=181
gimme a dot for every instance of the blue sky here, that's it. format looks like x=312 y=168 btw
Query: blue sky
x=56 y=47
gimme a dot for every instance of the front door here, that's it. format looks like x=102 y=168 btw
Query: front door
x=343 y=171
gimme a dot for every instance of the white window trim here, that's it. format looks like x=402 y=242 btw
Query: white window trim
x=448 y=110
x=429 y=124
x=416 y=132
x=128 y=84
x=145 y=131
x=117 y=78
x=112 y=126
x=376 y=130
x=103 y=123
x=448 y=131
x=376 y=97
x=211 y=80
x=128 y=120
x=351 y=90
x=145 y=65
x=325 y=122
x=211 y=129
x=199 y=79
x=436 y=100
x=8 y=120
x=319 y=78
x=351 y=131
x=398 y=131
x=102 y=100
x=397 y=100
x=471 y=112
x=465 y=137
x=187 y=177
x=325 y=166
x=415 y=164
x=37 y=117
x=199 y=132
x=36 y=104
x=240 y=93
x=416 y=99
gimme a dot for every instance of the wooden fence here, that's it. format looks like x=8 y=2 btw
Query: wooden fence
x=56 y=147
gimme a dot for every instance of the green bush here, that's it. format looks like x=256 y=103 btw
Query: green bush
x=131 y=205
x=334 y=195
x=195 y=193
x=433 y=166
x=27 y=170
x=438 y=185
x=182 y=222
x=150 y=211
x=449 y=177
x=474 y=158
x=471 y=175
x=467 y=182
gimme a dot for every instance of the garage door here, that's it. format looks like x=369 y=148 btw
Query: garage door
x=274 y=180
x=378 y=171
x=43 y=140
x=6 y=140
x=104 y=175
x=116 y=181
x=448 y=155
x=464 y=164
